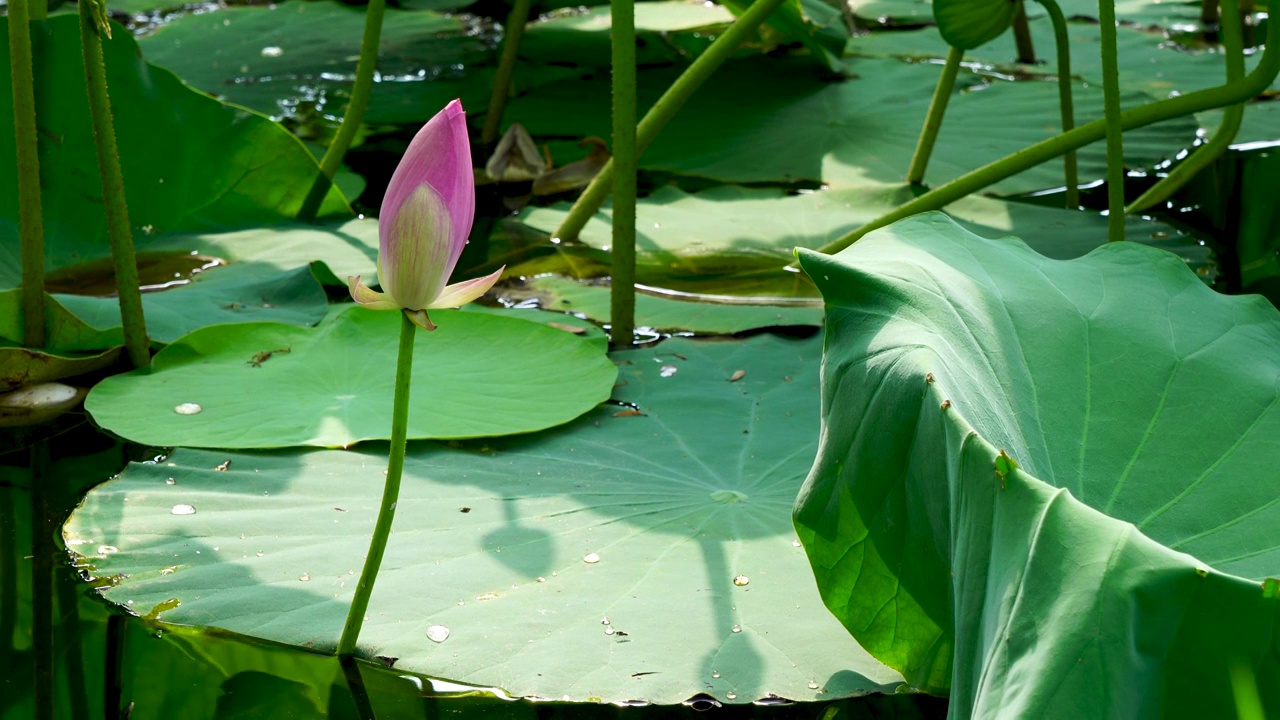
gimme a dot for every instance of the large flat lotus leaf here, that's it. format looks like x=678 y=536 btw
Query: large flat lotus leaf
x=859 y=131
x=498 y=542
x=711 y=315
x=1117 y=573
x=331 y=386
x=272 y=57
x=189 y=161
x=1147 y=60
x=335 y=251
x=665 y=32
x=735 y=229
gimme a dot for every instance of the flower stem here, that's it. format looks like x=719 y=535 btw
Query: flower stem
x=1022 y=35
x=1206 y=154
x=390 y=491
x=662 y=111
x=361 y=89
x=622 y=313
x=118 y=229
x=933 y=120
x=1111 y=114
x=1229 y=94
x=30 y=217
x=506 y=67
x=1071 y=173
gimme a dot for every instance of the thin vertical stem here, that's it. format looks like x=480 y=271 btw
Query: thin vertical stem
x=1070 y=167
x=662 y=111
x=1022 y=35
x=623 y=39
x=30 y=217
x=506 y=68
x=9 y=554
x=41 y=581
x=390 y=491
x=72 y=644
x=1111 y=110
x=1206 y=154
x=933 y=120
x=355 y=685
x=361 y=89
x=118 y=229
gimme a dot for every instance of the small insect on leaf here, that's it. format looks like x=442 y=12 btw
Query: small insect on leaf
x=265 y=355
x=737 y=375
x=946 y=404
x=1004 y=466
x=928 y=377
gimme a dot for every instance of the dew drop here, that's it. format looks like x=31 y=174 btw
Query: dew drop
x=304 y=577
x=668 y=370
x=736 y=628
x=542 y=579
x=108 y=549
x=241 y=536
x=715 y=674
x=731 y=695
x=437 y=633
x=608 y=631
x=795 y=543
x=170 y=481
x=741 y=580
x=187 y=409
x=604 y=621
x=259 y=553
x=272 y=51
x=182 y=510
x=591 y=558
x=813 y=685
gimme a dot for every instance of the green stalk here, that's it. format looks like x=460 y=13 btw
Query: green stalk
x=37 y=10
x=506 y=68
x=933 y=120
x=1206 y=154
x=1022 y=35
x=390 y=491
x=72 y=644
x=622 y=312
x=30 y=217
x=662 y=111
x=42 y=581
x=1111 y=114
x=118 y=229
x=1248 y=87
x=1071 y=173
x=351 y=119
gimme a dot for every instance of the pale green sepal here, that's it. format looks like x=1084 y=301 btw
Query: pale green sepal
x=459 y=294
x=421 y=319
x=368 y=297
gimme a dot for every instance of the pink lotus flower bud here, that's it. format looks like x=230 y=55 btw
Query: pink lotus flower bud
x=423 y=226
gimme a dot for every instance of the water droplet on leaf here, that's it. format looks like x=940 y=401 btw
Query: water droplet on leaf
x=187 y=409
x=437 y=633
x=591 y=558
x=741 y=580
x=736 y=628
x=182 y=510
x=304 y=577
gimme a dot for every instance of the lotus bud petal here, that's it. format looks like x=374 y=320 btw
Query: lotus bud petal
x=425 y=219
